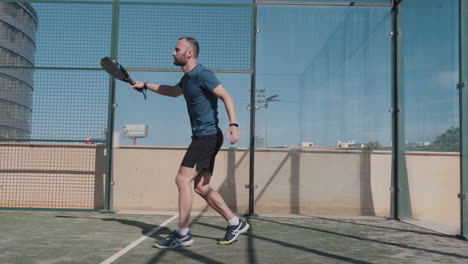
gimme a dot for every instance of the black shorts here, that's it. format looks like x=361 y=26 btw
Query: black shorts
x=202 y=152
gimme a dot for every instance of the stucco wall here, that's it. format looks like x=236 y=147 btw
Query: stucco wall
x=295 y=181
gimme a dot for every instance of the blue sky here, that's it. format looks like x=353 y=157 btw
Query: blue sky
x=431 y=70
x=330 y=67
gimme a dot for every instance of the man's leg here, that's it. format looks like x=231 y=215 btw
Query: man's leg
x=211 y=196
x=184 y=179
x=181 y=237
x=236 y=226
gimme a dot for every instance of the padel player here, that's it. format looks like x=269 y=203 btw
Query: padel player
x=201 y=90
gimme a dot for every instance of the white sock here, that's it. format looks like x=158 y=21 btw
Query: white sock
x=234 y=221
x=182 y=231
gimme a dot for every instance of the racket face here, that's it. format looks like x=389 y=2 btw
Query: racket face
x=115 y=69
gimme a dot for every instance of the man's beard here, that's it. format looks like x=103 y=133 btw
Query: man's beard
x=179 y=62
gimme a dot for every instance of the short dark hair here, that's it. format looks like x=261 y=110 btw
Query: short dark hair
x=194 y=43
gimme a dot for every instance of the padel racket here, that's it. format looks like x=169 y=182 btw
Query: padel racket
x=117 y=71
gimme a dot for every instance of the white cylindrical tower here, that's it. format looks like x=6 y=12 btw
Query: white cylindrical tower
x=18 y=26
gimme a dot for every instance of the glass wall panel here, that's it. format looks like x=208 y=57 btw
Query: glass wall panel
x=323 y=91
x=430 y=48
x=330 y=68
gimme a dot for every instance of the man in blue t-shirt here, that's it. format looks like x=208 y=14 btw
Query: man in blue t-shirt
x=201 y=90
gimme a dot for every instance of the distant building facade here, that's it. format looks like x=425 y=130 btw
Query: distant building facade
x=351 y=145
x=18 y=27
x=417 y=144
x=307 y=144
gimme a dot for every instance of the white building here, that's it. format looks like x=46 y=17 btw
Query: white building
x=18 y=26
x=351 y=145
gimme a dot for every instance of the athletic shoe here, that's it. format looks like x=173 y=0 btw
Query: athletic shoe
x=174 y=240
x=233 y=232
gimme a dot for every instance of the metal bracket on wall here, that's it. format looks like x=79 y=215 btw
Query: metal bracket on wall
x=248 y=186
x=460 y=85
x=462 y=196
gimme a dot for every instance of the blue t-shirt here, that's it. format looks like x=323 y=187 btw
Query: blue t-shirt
x=202 y=104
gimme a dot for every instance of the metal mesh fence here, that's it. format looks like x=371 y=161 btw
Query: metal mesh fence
x=43 y=95
x=71 y=105
x=51 y=176
x=55 y=98
x=224 y=33
x=72 y=35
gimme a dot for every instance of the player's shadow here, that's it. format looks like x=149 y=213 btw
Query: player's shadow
x=145 y=227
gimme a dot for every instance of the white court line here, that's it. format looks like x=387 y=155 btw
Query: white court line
x=136 y=242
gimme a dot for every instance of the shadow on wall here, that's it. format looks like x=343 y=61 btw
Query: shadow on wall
x=228 y=188
x=297 y=177
x=367 y=202
x=99 y=178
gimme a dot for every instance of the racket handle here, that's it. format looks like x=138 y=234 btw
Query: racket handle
x=142 y=90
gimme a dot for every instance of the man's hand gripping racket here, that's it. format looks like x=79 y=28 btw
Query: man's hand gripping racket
x=117 y=71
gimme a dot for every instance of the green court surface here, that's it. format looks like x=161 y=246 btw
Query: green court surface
x=46 y=237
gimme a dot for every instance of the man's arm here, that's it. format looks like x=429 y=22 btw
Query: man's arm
x=167 y=90
x=222 y=94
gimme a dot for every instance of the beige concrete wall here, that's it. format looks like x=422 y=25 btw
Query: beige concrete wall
x=289 y=181
x=380 y=182
x=311 y=182
x=434 y=182
x=295 y=181
x=144 y=178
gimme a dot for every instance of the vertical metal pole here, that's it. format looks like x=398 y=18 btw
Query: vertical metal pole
x=110 y=111
x=251 y=185
x=463 y=108
x=394 y=110
x=401 y=202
